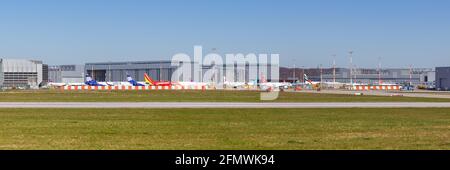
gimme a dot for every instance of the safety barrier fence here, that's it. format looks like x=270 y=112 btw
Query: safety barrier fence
x=377 y=87
x=175 y=87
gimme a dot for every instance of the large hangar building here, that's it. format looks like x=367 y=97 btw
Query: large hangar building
x=443 y=78
x=118 y=71
x=163 y=70
x=22 y=73
x=416 y=76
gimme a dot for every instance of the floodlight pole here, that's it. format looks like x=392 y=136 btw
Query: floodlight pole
x=334 y=68
x=303 y=77
x=321 y=77
x=410 y=75
x=92 y=72
x=293 y=75
x=351 y=67
x=379 y=71
x=303 y=74
x=109 y=71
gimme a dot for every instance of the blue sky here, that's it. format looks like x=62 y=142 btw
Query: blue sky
x=308 y=33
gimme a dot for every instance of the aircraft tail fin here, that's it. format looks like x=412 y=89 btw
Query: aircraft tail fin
x=129 y=78
x=148 y=79
x=263 y=78
x=88 y=78
x=307 y=79
x=133 y=82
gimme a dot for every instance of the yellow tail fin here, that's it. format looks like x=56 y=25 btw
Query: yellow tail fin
x=148 y=79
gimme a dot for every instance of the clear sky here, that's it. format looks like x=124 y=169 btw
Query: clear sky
x=304 y=32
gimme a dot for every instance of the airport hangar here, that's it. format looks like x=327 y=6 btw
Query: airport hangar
x=417 y=76
x=158 y=70
x=162 y=71
x=21 y=73
x=443 y=78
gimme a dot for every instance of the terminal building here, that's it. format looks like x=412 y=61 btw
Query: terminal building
x=443 y=78
x=21 y=73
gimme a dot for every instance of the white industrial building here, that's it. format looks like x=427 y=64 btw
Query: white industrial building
x=21 y=73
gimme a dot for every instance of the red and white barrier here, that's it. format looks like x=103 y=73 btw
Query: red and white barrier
x=376 y=87
x=123 y=88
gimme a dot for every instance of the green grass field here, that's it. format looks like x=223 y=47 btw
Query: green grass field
x=225 y=129
x=191 y=96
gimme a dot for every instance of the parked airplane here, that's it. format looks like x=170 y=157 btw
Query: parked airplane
x=238 y=84
x=308 y=81
x=65 y=84
x=91 y=82
x=187 y=83
x=133 y=82
x=264 y=85
x=56 y=84
x=148 y=81
x=274 y=85
x=234 y=84
x=152 y=82
x=129 y=82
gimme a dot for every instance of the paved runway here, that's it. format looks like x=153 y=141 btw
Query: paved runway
x=220 y=105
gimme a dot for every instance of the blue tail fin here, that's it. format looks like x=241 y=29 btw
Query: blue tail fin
x=133 y=82
x=91 y=82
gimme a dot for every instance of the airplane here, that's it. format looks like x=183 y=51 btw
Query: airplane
x=150 y=81
x=264 y=85
x=129 y=82
x=188 y=83
x=234 y=84
x=56 y=84
x=275 y=85
x=239 y=84
x=133 y=82
x=308 y=81
x=91 y=82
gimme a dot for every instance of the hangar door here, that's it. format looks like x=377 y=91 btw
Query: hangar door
x=444 y=84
